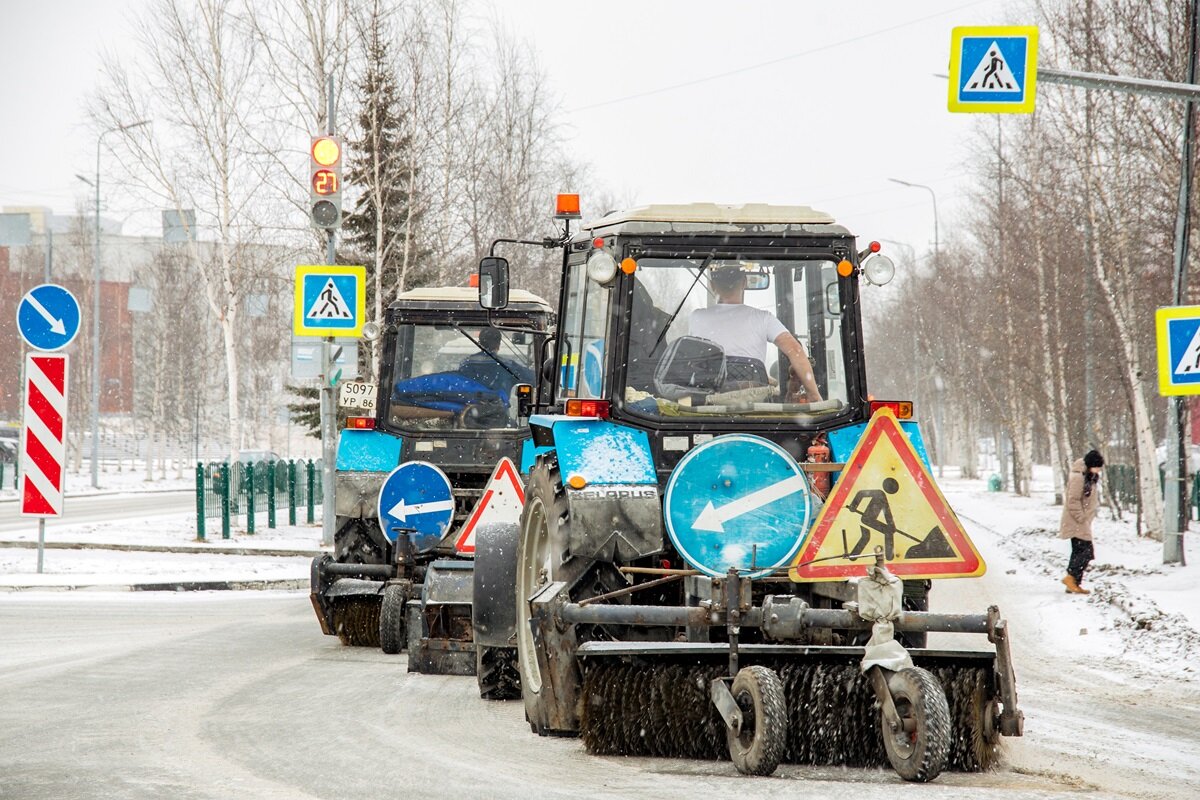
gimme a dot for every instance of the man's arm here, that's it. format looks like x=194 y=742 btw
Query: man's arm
x=790 y=346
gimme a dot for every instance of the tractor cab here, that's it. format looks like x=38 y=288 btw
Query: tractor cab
x=694 y=320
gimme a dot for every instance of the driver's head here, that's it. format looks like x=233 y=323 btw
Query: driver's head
x=490 y=339
x=727 y=280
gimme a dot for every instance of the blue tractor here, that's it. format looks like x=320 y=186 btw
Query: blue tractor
x=710 y=561
x=453 y=393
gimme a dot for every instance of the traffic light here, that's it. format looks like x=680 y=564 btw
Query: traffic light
x=325 y=182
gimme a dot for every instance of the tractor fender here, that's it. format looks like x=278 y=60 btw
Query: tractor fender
x=615 y=523
x=611 y=483
x=364 y=459
x=494 y=588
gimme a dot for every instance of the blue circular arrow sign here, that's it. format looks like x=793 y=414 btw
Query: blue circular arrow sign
x=737 y=501
x=416 y=499
x=48 y=317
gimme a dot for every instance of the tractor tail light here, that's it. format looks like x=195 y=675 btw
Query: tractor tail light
x=903 y=409
x=360 y=423
x=587 y=408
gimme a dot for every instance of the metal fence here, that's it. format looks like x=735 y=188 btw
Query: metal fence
x=1122 y=482
x=250 y=490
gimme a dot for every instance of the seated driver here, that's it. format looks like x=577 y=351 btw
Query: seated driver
x=498 y=373
x=744 y=332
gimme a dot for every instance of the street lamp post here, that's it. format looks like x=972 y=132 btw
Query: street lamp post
x=937 y=412
x=96 y=305
x=936 y=258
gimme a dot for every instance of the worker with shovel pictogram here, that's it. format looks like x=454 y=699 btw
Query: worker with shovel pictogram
x=876 y=512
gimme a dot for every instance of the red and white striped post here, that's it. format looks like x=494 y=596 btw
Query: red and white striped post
x=43 y=439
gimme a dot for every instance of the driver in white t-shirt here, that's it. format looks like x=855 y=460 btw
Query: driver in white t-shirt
x=743 y=331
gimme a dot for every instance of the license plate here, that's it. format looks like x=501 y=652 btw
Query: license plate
x=357 y=394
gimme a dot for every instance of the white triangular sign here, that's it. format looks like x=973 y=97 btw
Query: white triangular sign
x=329 y=304
x=502 y=500
x=1189 y=362
x=992 y=74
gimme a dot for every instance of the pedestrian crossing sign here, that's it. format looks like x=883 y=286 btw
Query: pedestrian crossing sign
x=329 y=301
x=993 y=70
x=885 y=498
x=1178 y=335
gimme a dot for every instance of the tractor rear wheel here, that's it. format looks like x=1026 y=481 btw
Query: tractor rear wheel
x=919 y=747
x=391 y=620
x=759 y=746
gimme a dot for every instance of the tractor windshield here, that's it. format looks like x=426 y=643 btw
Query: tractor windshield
x=740 y=337
x=448 y=377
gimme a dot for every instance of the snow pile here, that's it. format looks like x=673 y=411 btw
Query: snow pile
x=1153 y=608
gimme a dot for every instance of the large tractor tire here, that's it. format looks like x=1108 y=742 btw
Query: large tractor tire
x=919 y=748
x=541 y=559
x=391 y=620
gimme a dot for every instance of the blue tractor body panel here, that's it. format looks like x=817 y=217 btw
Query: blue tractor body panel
x=601 y=452
x=367 y=451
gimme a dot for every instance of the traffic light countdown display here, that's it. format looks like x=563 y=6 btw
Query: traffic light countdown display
x=325 y=184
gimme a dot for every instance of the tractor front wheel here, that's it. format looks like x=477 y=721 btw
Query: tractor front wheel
x=391 y=620
x=920 y=744
x=758 y=747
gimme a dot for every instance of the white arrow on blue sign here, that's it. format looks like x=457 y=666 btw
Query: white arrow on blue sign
x=416 y=499
x=48 y=317
x=738 y=501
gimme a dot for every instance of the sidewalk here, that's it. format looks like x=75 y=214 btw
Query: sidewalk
x=159 y=552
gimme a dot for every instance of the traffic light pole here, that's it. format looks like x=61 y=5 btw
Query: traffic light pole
x=328 y=400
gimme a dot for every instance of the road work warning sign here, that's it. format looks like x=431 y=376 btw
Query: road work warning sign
x=886 y=498
x=502 y=501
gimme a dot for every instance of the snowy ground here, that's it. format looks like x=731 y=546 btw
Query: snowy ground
x=159 y=548
x=1141 y=612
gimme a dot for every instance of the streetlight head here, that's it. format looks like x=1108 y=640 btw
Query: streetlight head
x=137 y=124
x=88 y=181
x=902 y=183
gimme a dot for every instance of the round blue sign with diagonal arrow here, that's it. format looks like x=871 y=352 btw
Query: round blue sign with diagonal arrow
x=738 y=501
x=48 y=317
x=416 y=499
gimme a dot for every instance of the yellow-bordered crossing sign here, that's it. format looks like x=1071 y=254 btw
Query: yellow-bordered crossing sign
x=993 y=70
x=329 y=301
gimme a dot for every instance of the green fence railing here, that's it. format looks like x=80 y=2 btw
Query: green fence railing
x=229 y=493
x=1122 y=483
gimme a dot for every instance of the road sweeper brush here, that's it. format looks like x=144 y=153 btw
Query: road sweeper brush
x=712 y=559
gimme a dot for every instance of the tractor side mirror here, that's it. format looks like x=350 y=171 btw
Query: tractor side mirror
x=524 y=400
x=493 y=283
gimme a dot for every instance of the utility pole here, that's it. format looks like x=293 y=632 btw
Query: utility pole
x=328 y=407
x=1176 y=513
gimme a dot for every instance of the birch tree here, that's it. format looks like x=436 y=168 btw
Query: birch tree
x=198 y=80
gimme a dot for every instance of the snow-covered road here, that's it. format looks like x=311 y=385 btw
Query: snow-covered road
x=239 y=695
x=215 y=695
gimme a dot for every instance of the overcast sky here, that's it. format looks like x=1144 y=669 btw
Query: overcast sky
x=669 y=101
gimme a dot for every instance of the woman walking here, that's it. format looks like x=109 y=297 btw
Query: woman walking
x=1079 y=509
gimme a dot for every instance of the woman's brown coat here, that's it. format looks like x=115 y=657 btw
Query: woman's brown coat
x=1078 y=511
